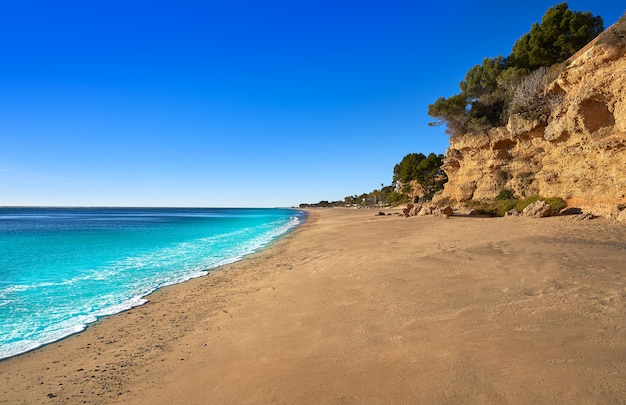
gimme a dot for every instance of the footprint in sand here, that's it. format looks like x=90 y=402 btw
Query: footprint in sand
x=447 y=247
x=500 y=247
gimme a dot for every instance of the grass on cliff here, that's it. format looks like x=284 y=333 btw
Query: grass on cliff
x=505 y=202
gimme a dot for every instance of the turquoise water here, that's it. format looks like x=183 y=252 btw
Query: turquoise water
x=63 y=268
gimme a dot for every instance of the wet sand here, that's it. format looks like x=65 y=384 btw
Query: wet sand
x=357 y=308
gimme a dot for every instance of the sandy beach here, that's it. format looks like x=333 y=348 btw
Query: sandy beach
x=357 y=308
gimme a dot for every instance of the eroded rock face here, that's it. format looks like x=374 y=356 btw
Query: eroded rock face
x=578 y=155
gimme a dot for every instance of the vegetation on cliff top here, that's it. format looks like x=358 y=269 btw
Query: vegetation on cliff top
x=490 y=93
x=502 y=86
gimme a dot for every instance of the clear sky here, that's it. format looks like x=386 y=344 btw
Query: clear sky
x=233 y=103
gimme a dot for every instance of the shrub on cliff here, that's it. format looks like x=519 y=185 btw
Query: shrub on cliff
x=616 y=34
x=557 y=203
x=505 y=202
x=529 y=98
x=495 y=208
x=505 y=194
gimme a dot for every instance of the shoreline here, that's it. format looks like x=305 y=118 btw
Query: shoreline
x=353 y=307
x=76 y=340
x=298 y=217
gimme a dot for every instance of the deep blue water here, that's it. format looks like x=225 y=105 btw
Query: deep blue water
x=62 y=268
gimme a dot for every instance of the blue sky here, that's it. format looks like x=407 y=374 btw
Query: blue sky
x=232 y=103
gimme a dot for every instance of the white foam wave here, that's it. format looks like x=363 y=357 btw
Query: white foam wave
x=176 y=257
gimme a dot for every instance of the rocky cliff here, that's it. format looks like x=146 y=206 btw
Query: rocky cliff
x=578 y=153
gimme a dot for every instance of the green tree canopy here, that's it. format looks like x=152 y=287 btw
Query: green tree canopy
x=407 y=169
x=426 y=170
x=487 y=90
x=561 y=33
x=451 y=111
x=483 y=79
x=430 y=175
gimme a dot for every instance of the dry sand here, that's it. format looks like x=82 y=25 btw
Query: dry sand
x=357 y=308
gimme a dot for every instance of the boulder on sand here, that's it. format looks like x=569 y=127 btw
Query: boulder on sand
x=538 y=209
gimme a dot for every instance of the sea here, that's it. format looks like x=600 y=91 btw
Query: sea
x=63 y=268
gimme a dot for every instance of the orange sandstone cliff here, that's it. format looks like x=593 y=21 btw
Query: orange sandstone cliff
x=578 y=153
